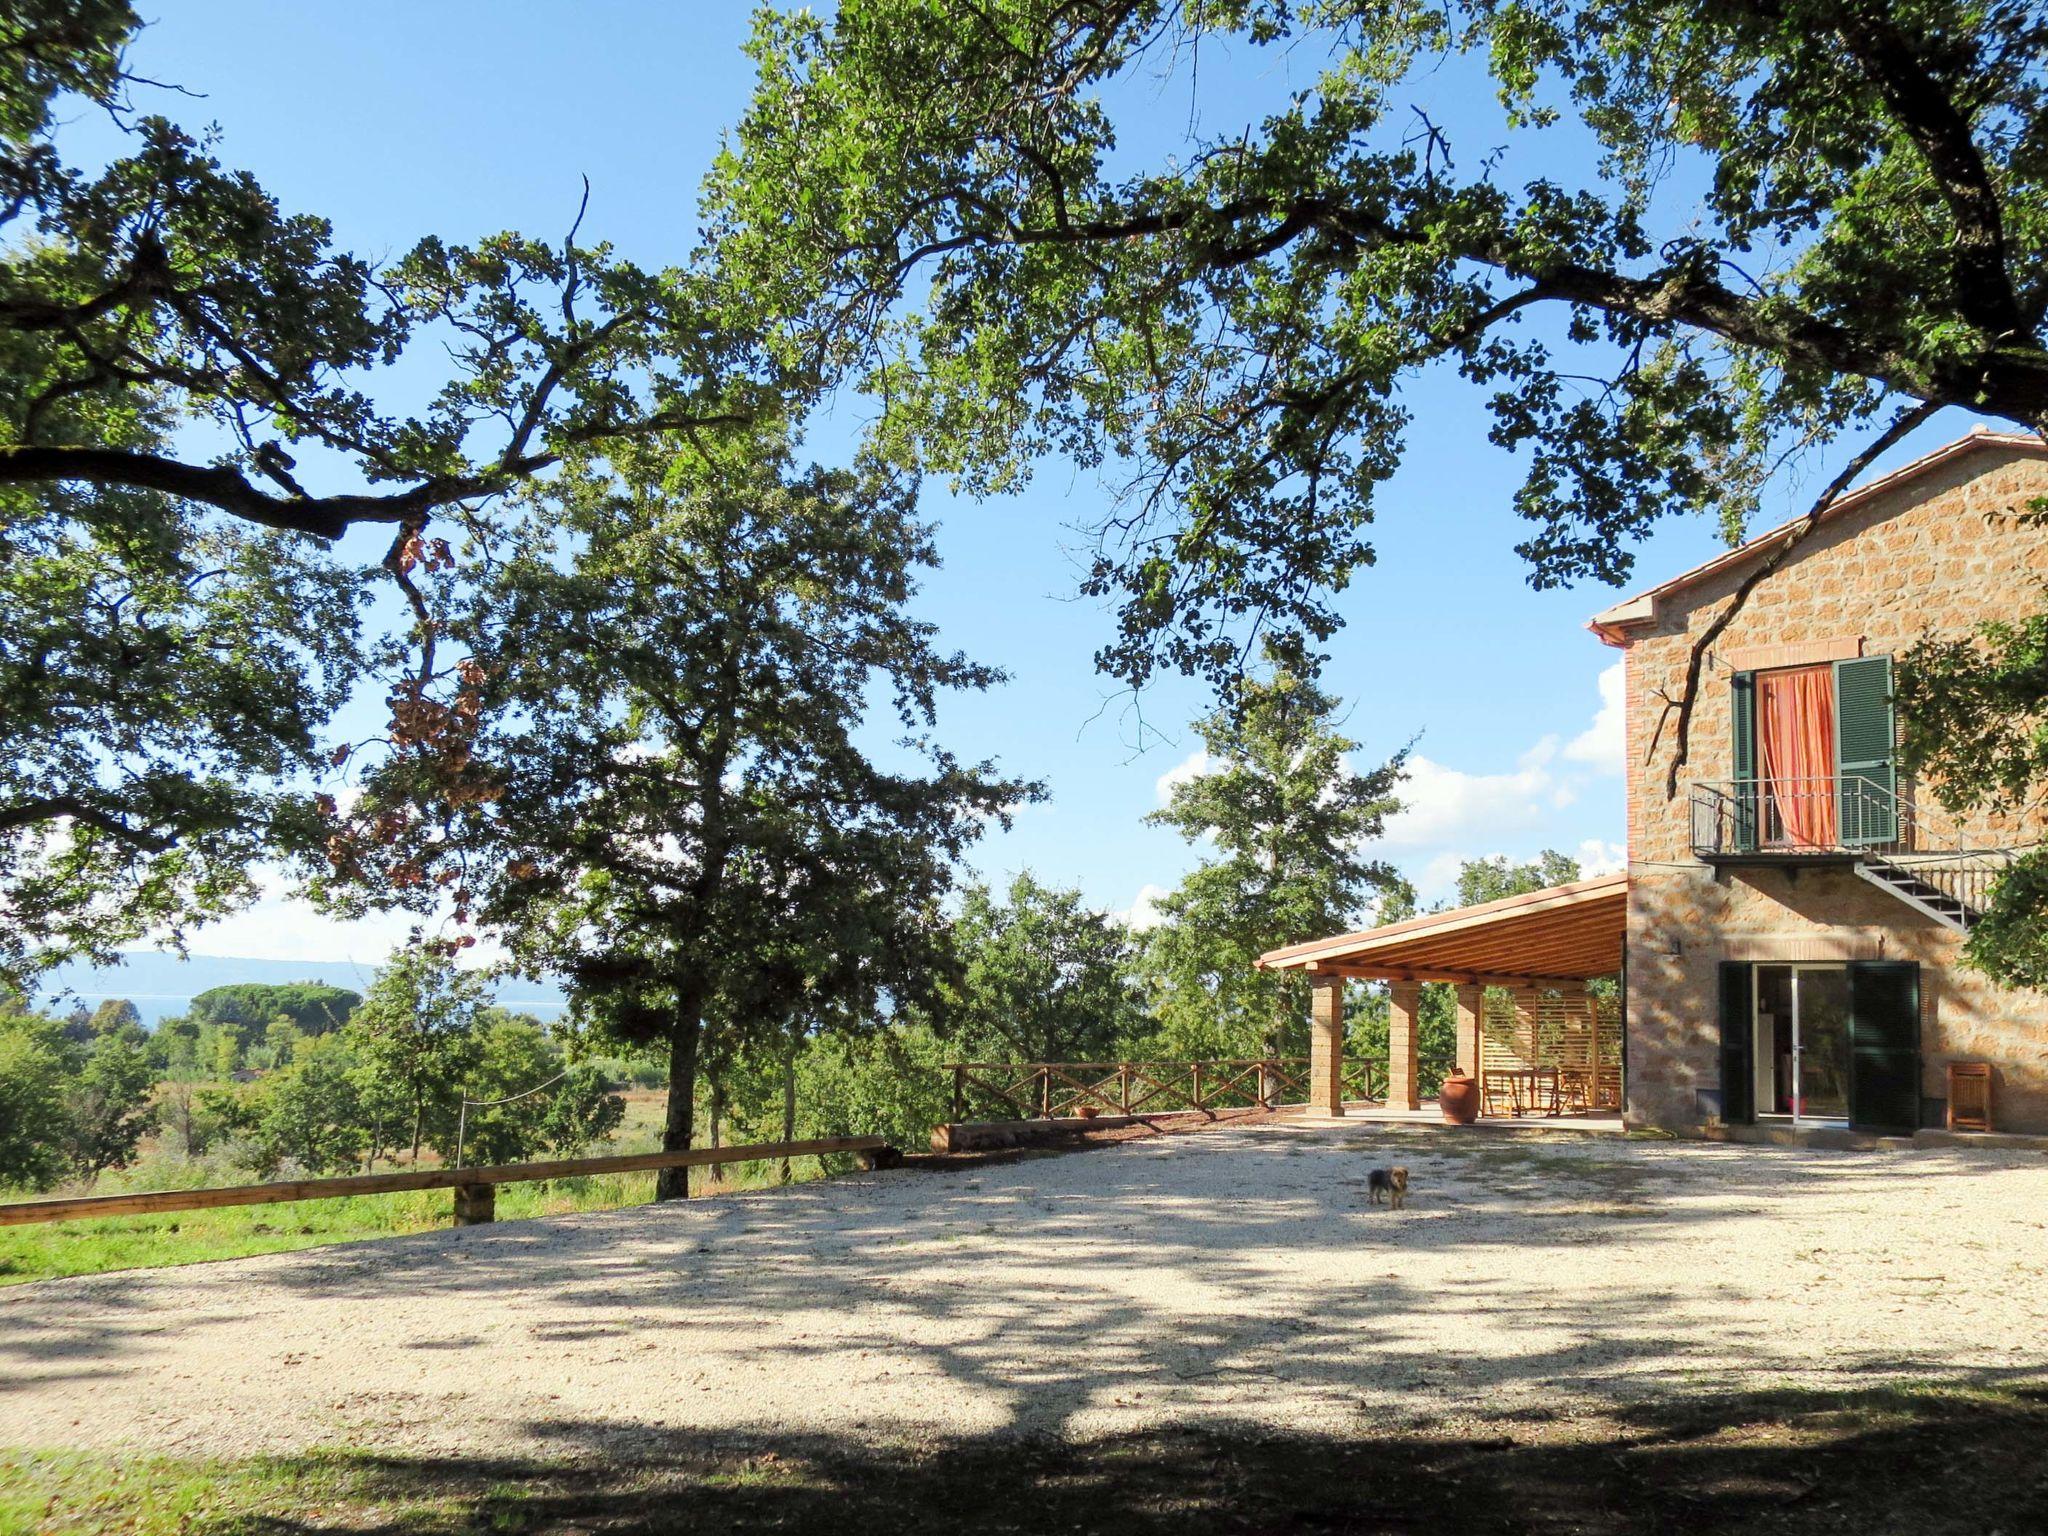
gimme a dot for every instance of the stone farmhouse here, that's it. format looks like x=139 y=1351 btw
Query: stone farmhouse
x=1782 y=956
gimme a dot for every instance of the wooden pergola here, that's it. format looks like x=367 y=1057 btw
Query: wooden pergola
x=1520 y=966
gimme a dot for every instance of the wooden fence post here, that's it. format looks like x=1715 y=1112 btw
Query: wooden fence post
x=1123 y=1084
x=475 y=1204
x=1198 y=1086
x=1045 y=1092
x=959 y=1093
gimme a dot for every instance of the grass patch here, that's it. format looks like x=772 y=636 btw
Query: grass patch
x=46 y=1252
x=1936 y=1460
x=69 y=1494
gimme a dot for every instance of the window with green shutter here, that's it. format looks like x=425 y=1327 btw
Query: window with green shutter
x=1866 y=775
x=1742 y=713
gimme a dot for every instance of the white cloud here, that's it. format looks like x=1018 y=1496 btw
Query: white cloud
x=1439 y=875
x=1143 y=913
x=1597 y=856
x=1450 y=815
x=1603 y=744
x=1441 y=804
x=1186 y=771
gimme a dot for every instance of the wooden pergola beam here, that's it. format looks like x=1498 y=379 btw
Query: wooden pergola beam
x=1367 y=972
x=1581 y=946
x=1531 y=914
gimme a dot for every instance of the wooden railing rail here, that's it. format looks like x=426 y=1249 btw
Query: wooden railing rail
x=1365 y=1077
x=475 y=1197
x=1028 y=1090
x=1043 y=1090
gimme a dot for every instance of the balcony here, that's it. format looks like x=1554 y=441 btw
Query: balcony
x=1922 y=857
x=1842 y=817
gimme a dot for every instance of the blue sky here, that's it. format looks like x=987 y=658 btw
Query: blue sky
x=398 y=121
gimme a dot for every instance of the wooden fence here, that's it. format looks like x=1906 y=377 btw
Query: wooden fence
x=475 y=1188
x=1039 y=1090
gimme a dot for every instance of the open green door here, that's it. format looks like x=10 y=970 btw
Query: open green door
x=1884 y=1045
x=1738 y=1042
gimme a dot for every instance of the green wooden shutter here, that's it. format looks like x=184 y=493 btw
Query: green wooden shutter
x=1738 y=1043
x=1884 y=1045
x=1742 y=729
x=1864 y=734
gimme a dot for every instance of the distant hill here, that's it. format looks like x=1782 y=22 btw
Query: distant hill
x=160 y=985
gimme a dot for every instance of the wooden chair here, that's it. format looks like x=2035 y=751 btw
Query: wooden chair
x=1969 y=1096
x=1499 y=1094
x=1574 y=1091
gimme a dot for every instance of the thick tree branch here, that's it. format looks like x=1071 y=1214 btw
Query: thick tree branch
x=148 y=276
x=326 y=517
x=30 y=813
x=1941 y=133
x=229 y=490
x=2010 y=379
x=1695 y=662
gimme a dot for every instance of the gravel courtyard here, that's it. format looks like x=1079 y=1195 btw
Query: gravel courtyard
x=1236 y=1276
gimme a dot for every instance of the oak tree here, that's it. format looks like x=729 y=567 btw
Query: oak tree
x=675 y=798
x=1688 y=242
x=1041 y=976
x=189 y=425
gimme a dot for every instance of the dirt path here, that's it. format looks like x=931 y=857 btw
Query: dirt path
x=1229 y=1279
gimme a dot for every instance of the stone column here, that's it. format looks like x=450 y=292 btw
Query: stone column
x=1326 y=1045
x=1404 y=998
x=1471 y=1008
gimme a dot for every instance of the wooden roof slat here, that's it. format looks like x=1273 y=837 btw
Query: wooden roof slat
x=1566 y=932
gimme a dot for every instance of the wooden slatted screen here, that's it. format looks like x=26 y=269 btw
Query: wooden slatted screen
x=1534 y=1027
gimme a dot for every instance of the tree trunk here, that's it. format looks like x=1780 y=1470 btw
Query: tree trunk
x=1283 y=1019
x=681 y=1122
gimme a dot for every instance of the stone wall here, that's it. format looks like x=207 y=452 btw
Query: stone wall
x=1939 y=553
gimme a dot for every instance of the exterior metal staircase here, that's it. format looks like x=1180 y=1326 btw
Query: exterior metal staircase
x=1917 y=887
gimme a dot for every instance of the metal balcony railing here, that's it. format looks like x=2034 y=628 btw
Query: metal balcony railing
x=1918 y=853
x=1840 y=814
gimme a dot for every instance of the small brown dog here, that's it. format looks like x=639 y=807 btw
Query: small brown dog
x=1391 y=1182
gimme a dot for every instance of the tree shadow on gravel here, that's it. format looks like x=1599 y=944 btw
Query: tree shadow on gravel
x=1040 y=1294
x=1934 y=1461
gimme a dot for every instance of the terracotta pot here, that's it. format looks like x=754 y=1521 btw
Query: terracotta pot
x=1459 y=1099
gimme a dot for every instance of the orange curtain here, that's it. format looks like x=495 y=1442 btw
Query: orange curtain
x=1796 y=740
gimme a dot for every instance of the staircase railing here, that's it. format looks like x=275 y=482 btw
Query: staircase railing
x=1967 y=879
x=1846 y=815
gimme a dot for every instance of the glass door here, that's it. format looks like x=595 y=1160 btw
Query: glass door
x=1820 y=1052
x=1801 y=1049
